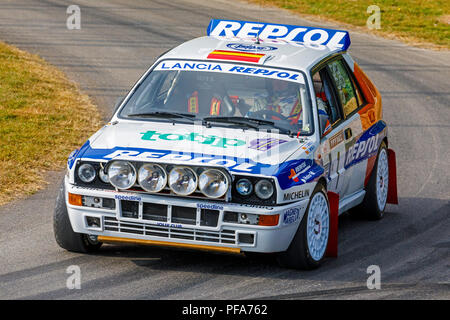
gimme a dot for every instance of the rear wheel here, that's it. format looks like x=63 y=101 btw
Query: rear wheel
x=375 y=199
x=307 y=249
x=64 y=234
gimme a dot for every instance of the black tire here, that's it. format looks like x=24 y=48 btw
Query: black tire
x=64 y=234
x=297 y=256
x=369 y=208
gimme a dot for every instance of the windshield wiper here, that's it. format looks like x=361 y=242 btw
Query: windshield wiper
x=163 y=114
x=251 y=122
x=234 y=120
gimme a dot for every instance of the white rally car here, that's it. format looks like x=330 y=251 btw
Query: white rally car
x=251 y=139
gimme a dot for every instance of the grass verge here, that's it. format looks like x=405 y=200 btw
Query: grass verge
x=418 y=22
x=43 y=117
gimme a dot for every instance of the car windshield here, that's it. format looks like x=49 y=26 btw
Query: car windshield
x=224 y=94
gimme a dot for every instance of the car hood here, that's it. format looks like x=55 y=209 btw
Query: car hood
x=185 y=143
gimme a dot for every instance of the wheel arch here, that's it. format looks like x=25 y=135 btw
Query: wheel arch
x=385 y=140
x=323 y=181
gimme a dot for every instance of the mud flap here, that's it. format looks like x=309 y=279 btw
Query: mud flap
x=392 y=185
x=332 y=247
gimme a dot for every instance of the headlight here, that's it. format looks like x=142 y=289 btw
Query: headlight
x=244 y=187
x=103 y=176
x=86 y=172
x=182 y=180
x=152 y=177
x=264 y=189
x=122 y=174
x=213 y=183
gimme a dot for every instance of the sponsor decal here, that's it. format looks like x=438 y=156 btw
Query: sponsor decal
x=308 y=35
x=252 y=206
x=295 y=195
x=298 y=170
x=315 y=172
x=130 y=198
x=336 y=139
x=364 y=148
x=212 y=141
x=190 y=66
x=265 y=144
x=168 y=156
x=169 y=225
x=265 y=72
x=92 y=189
x=250 y=47
x=291 y=215
x=308 y=147
x=232 y=68
x=209 y=206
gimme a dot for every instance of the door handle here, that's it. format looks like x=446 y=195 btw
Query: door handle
x=348 y=133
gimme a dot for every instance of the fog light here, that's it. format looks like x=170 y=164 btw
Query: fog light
x=93 y=222
x=247 y=238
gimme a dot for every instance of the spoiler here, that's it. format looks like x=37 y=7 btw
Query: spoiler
x=309 y=35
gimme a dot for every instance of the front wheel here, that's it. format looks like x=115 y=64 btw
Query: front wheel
x=64 y=234
x=307 y=249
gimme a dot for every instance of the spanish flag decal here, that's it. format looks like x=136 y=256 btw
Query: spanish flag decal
x=235 y=55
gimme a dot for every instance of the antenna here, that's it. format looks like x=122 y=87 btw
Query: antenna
x=259 y=20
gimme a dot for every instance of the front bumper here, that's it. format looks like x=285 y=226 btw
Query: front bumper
x=224 y=236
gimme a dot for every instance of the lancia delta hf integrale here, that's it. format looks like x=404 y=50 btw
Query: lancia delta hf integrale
x=252 y=139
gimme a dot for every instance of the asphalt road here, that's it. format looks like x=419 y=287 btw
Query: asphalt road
x=118 y=40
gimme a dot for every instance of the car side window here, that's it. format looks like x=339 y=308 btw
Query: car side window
x=344 y=86
x=328 y=108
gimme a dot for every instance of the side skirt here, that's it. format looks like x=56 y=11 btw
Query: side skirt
x=351 y=201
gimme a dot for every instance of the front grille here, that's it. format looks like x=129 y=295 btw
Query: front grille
x=129 y=209
x=154 y=211
x=159 y=213
x=209 y=217
x=184 y=215
x=225 y=236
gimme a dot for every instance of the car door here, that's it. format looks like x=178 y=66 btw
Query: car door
x=331 y=126
x=350 y=101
